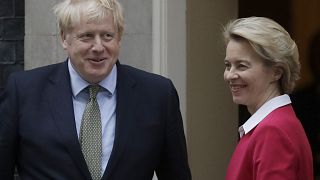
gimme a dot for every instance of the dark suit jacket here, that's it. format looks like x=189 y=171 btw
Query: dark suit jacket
x=38 y=132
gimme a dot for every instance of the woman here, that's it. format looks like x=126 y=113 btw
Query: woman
x=262 y=65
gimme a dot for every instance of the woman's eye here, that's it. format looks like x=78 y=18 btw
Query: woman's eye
x=242 y=67
x=228 y=66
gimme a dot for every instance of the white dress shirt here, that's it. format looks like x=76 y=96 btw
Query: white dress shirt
x=262 y=112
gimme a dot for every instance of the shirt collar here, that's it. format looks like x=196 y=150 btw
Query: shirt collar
x=78 y=83
x=262 y=112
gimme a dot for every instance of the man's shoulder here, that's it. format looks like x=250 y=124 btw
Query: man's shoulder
x=145 y=81
x=141 y=75
x=36 y=72
x=39 y=76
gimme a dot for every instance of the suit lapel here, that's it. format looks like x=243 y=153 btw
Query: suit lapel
x=126 y=99
x=60 y=101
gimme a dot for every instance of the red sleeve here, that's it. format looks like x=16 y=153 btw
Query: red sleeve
x=273 y=155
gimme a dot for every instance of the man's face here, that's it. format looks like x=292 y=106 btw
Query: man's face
x=93 y=48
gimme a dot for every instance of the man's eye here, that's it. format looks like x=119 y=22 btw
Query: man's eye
x=108 y=36
x=85 y=37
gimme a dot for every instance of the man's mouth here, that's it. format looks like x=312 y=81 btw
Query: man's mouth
x=97 y=59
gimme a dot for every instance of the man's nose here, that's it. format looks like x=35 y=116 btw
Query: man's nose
x=98 y=44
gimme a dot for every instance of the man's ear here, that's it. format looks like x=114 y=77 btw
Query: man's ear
x=64 y=42
x=119 y=39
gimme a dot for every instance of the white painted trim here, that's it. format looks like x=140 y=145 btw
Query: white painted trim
x=159 y=40
x=169 y=43
x=159 y=37
x=169 y=54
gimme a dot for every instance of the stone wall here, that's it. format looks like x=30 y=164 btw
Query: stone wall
x=11 y=38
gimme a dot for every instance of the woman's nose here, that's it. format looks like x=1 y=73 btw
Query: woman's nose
x=231 y=74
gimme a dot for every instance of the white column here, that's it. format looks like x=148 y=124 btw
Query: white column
x=159 y=36
x=169 y=45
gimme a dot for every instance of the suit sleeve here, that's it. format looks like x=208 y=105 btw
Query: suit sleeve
x=174 y=161
x=8 y=129
x=274 y=156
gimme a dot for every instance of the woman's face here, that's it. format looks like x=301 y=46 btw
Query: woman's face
x=251 y=82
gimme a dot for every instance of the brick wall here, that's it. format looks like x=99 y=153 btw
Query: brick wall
x=11 y=38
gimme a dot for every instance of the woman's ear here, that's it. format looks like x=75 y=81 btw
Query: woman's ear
x=277 y=73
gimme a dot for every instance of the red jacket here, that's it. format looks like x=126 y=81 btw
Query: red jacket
x=276 y=149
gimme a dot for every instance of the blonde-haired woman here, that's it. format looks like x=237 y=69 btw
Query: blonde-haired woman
x=261 y=67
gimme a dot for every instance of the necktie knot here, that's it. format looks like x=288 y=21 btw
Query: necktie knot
x=93 y=91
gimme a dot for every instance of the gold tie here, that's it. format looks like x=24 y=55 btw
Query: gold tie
x=90 y=134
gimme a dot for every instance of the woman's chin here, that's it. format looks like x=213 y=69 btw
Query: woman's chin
x=237 y=100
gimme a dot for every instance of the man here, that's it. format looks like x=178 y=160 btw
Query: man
x=91 y=117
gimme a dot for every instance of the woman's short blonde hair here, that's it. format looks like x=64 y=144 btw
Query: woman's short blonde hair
x=70 y=12
x=272 y=42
